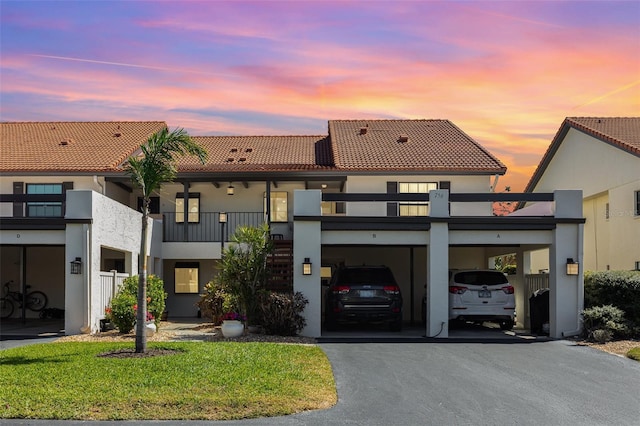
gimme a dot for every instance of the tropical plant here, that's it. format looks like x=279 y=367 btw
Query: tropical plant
x=155 y=165
x=243 y=272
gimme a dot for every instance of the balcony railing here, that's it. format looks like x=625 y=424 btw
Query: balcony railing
x=209 y=228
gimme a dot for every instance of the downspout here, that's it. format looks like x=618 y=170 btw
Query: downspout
x=97 y=182
x=86 y=282
x=495 y=183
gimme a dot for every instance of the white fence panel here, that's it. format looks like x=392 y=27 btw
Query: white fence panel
x=110 y=282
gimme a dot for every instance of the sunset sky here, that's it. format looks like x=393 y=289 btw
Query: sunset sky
x=506 y=72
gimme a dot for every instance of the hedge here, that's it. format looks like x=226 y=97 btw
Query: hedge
x=617 y=288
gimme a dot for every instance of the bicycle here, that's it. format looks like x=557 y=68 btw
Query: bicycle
x=35 y=301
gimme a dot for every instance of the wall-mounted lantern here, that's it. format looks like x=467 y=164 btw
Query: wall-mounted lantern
x=231 y=190
x=306 y=266
x=76 y=266
x=572 y=266
x=222 y=218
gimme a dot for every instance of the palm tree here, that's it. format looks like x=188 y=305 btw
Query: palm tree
x=148 y=171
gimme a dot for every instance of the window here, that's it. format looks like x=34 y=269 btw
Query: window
x=278 y=206
x=194 y=207
x=186 y=276
x=44 y=208
x=637 y=204
x=332 y=207
x=417 y=208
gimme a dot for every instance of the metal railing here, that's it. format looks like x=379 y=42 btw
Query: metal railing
x=208 y=228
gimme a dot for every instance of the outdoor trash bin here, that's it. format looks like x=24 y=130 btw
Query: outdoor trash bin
x=539 y=311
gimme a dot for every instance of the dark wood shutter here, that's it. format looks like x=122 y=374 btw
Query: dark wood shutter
x=445 y=184
x=18 y=206
x=392 y=208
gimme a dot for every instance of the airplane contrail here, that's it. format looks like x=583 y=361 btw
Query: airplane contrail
x=121 y=64
x=613 y=92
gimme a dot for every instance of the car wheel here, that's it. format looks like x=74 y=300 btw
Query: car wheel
x=506 y=325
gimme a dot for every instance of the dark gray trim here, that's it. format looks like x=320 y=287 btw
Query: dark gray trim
x=459 y=223
x=35 y=223
x=335 y=196
x=23 y=198
x=500 y=196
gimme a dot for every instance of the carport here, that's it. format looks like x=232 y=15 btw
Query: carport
x=447 y=242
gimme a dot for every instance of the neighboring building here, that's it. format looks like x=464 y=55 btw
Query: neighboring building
x=601 y=157
x=412 y=194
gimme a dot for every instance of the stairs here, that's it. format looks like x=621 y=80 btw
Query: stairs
x=280 y=263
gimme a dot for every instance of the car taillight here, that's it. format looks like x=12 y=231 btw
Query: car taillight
x=391 y=289
x=341 y=289
x=455 y=289
x=507 y=289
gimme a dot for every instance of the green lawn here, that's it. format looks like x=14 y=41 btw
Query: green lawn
x=204 y=380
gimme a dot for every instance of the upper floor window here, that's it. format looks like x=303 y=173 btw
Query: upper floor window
x=194 y=207
x=637 y=204
x=333 y=207
x=418 y=208
x=44 y=208
x=278 y=206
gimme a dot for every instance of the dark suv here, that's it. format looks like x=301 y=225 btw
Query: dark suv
x=363 y=294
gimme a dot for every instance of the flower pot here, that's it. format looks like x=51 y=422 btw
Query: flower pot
x=232 y=328
x=150 y=328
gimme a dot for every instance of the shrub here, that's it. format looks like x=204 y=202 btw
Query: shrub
x=122 y=313
x=215 y=302
x=634 y=354
x=123 y=304
x=282 y=313
x=617 y=288
x=604 y=322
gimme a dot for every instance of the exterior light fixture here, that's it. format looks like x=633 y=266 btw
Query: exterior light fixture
x=230 y=190
x=76 y=266
x=222 y=218
x=306 y=266
x=572 y=266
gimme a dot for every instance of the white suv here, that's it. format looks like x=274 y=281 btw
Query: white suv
x=481 y=295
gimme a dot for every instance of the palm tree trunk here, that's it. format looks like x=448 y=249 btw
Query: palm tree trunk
x=141 y=314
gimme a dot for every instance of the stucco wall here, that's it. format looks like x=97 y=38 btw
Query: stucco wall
x=113 y=225
x=606 y=174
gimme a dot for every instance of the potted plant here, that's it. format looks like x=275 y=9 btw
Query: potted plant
x=232 y=324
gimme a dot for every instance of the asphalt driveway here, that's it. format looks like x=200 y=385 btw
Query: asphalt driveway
x=550 y=383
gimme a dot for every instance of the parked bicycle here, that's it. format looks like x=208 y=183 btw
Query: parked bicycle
x=35 y=301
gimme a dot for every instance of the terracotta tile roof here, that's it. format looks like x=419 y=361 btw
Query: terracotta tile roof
x=408 y=145
x=260 y=153
x=70 y=146
x=621 y=132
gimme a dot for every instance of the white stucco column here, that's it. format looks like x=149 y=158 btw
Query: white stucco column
x=522 y=298
x=307 y=243
x=566 y=297
x=438 y=267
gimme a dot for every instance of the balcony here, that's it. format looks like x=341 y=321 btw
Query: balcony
x=209 y=228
